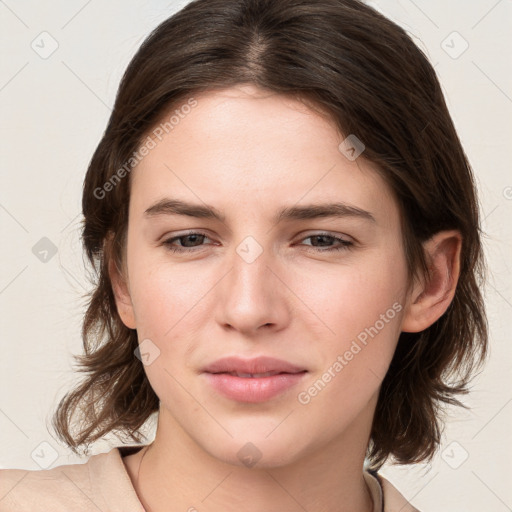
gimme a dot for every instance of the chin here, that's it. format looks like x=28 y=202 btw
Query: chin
x=255 y=451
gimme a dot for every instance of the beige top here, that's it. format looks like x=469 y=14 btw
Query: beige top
x=103 y=484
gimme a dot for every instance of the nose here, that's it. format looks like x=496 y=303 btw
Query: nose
x=252 y=297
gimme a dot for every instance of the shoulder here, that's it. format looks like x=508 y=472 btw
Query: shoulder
x=387 y=495
x=100 y=483
x=50 y=489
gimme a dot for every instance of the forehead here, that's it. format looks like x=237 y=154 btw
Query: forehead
x=249 y=147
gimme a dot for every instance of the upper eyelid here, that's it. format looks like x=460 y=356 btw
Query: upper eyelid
x=182 y=235
x=303 y=236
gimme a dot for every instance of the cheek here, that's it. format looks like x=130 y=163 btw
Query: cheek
x=163 y=295
x=351 y=297
x=165 y=300
x=355 y=360
x=363 y=306
x=170 y=308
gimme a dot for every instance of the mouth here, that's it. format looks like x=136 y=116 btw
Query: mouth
x=254 y=380
x=253 y=388
x=255 y=375
x=262 y=366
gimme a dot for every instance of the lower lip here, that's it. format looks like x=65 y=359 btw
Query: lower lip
x=253 y=389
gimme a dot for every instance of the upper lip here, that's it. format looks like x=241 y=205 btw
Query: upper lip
x=261 y=364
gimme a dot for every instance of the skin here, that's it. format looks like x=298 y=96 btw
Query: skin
x=249 y=153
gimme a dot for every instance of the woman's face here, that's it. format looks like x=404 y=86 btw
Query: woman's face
x=273 y=276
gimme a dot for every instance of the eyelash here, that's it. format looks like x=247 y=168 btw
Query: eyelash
x=344 y=244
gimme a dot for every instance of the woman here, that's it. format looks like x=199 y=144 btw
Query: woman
x=286 y=235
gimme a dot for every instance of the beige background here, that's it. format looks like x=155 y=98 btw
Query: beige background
x=54 y=110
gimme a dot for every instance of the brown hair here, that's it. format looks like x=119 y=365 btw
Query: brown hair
x=366 y=72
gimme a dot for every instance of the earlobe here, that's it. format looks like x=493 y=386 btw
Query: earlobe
x=430 y=298
x=122 y=295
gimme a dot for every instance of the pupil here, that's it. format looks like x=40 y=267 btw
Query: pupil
x=188 y=237
x=324 y=237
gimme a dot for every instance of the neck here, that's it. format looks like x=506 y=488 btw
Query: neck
x=174 y=473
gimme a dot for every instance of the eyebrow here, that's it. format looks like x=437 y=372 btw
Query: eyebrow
x=168 y=206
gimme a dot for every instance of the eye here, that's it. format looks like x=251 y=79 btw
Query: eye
x=325 y=239
x=190 y=241
x=187 y=241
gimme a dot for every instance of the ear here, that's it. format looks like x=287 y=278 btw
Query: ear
x=121 y=291
x=430 y=297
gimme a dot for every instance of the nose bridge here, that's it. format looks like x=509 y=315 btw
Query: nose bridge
x=250 y=276
x=250 y=293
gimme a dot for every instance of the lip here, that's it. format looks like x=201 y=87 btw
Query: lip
x=262 y=364
x=252 y=389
